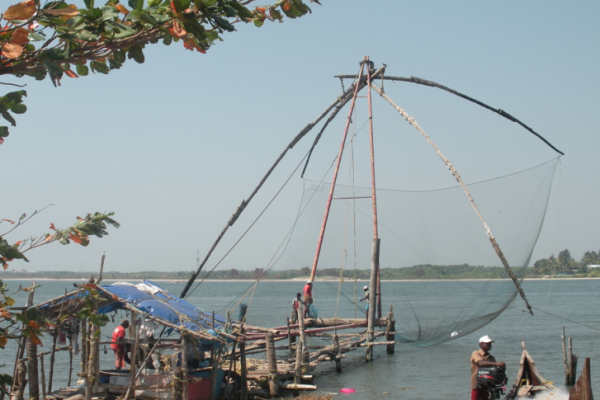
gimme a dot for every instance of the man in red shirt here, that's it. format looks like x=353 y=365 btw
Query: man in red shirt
x=482 y=358
x=117 y=344
x=307 y=297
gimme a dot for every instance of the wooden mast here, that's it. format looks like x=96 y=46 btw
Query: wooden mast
x=335 y=174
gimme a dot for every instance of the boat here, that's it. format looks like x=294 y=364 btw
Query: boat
x=528 y=381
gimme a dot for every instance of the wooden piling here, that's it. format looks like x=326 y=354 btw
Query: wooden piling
x=32 y=367
x=335 y=352
x=18 y=387
x=272 y=364
x=70 y=358
x=52 y=357
x=184 y=366
x=177 y=388
x=84 y=347
x=213 y=371
x=22 y=338
x=291 y=339
x=570 y=361
x=372 y=298
x=298 y=371
x=583 y=388
x=43 y=376
x=244 y=369
x=390 y=330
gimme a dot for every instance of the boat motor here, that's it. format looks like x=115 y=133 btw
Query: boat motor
x=493 y=379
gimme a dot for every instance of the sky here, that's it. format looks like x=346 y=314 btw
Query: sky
x=172 y=146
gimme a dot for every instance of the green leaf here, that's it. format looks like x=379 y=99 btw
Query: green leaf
x=89 y=3
x=33 y=314
x=86 y=35
x=180 y=5
x=82 y=70
x=167 y=39
x=38 y=75
x=242 y=11
x=136 y=54
x=3 y=131
x=109 y=13
x=122 y=31
x=140 y=5
x=16 y=96
x=6 y=115
x=35 y=37
x=259 y=22
x=224 y=24
x=19 y=108
x=54 y=71
x=55 y=54
x=153 y=3
x=99 y=66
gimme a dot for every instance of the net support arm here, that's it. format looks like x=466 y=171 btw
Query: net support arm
x=425 y=82
x=244 y=203
x=458 y=178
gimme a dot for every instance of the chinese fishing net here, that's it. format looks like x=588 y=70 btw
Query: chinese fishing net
x=427 y=234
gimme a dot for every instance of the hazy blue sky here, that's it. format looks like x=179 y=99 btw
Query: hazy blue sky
x=172 y=146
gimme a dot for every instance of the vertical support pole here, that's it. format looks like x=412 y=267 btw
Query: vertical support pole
x=23 y=339
x=271 y=364
x=244 y=368
x=32 y=367
x=213 y=372
x=212 y=320
x=298 y=372
x=18 y=388
x=52 y=357
x=73 y=344
x=336 y=353
x=134 y=348
x=390 y=331
x=301 y=327
x=572 y=364
x=291 y=340
x=335 y=175
x=177 y=389
x=564 y=347
x=372 y=299
x=184 y=366
x=91 y=365
x=43 y=376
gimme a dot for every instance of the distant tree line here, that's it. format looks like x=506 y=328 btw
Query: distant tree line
x=565 y=264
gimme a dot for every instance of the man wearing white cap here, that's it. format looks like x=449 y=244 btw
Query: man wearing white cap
x=366 y=289
x=307 y=297
x=482 y=358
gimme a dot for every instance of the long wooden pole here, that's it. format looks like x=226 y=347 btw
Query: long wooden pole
x=43 y=376
x=335 y=175
x=32 y=369
x=372 y=298
x=272 y=365
x=458 y=178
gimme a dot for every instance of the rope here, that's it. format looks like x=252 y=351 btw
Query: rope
x=559 y=317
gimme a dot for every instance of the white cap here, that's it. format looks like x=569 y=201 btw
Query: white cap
x=485 y=339
x=308 y=281
x=366 y=288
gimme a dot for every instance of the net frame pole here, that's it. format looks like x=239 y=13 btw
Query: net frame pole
x=335 y=174
x=458 y=178
x=375 y=256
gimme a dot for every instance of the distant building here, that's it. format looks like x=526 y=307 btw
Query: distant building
x=594 y=266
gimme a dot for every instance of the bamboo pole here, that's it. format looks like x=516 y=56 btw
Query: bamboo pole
x=52 y=357
x=18 y=387
x=84 y=347
x=22 y=338
x=32 y=367
x=101 y=268
x=132 y=372
x=572 y=364
x=564 y=347
x=390 y=331
x=291 y=339
x=71 y=357
x=335 y=352
x=458 y=178
x=213 y=374
x=298 y=371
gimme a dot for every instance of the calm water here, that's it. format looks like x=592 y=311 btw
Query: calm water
x=414 y=372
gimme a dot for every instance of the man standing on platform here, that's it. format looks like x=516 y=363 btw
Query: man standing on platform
x=307 y=297
x=117 y=344
x=296 y=301
x=366 y=289
x=482 y=358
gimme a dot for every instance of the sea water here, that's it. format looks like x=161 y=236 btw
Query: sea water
x=413 y=372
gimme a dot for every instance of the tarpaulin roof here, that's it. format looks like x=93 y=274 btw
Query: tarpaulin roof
x=156 y=301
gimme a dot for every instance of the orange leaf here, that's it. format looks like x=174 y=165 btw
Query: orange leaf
x=68 y=11
x=18 y=243
x=177 y=31
x=35 y=339
x=75 y=238
x=11 y=50
x=261 y=10
x=90 y=285
x=23 y=10
x=4 y=313
x=71 y=74
x=191 y=45
x=286 y=6
x=33 y=324
x=5 y=266
x=122 y=9
x=3 y=341
x=8 y=220
x=20 y=36
x=52 y=226
x=49 y=238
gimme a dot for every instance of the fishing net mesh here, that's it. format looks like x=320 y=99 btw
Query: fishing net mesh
x=432 y=233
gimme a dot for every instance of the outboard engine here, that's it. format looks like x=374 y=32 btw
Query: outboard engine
x=493 y=379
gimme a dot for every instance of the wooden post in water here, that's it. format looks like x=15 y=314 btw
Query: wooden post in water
x=18 y=387
x=184 y=366
x=52 y=357
x=213 y=372
x=372 y=299
x=71 y=350
x=134 y=348
x=243 y=368
x=298 y=371
x=271 y=364
x=570 y=361
x=43 y=376
x=390 y=330
x=23 y=339
x=291 y=339
x=32 y=366
x=336 y=353
x=84 y=347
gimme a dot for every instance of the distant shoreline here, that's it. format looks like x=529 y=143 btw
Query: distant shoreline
x=296 y=280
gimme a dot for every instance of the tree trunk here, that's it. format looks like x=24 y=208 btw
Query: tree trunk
x=32 y=366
